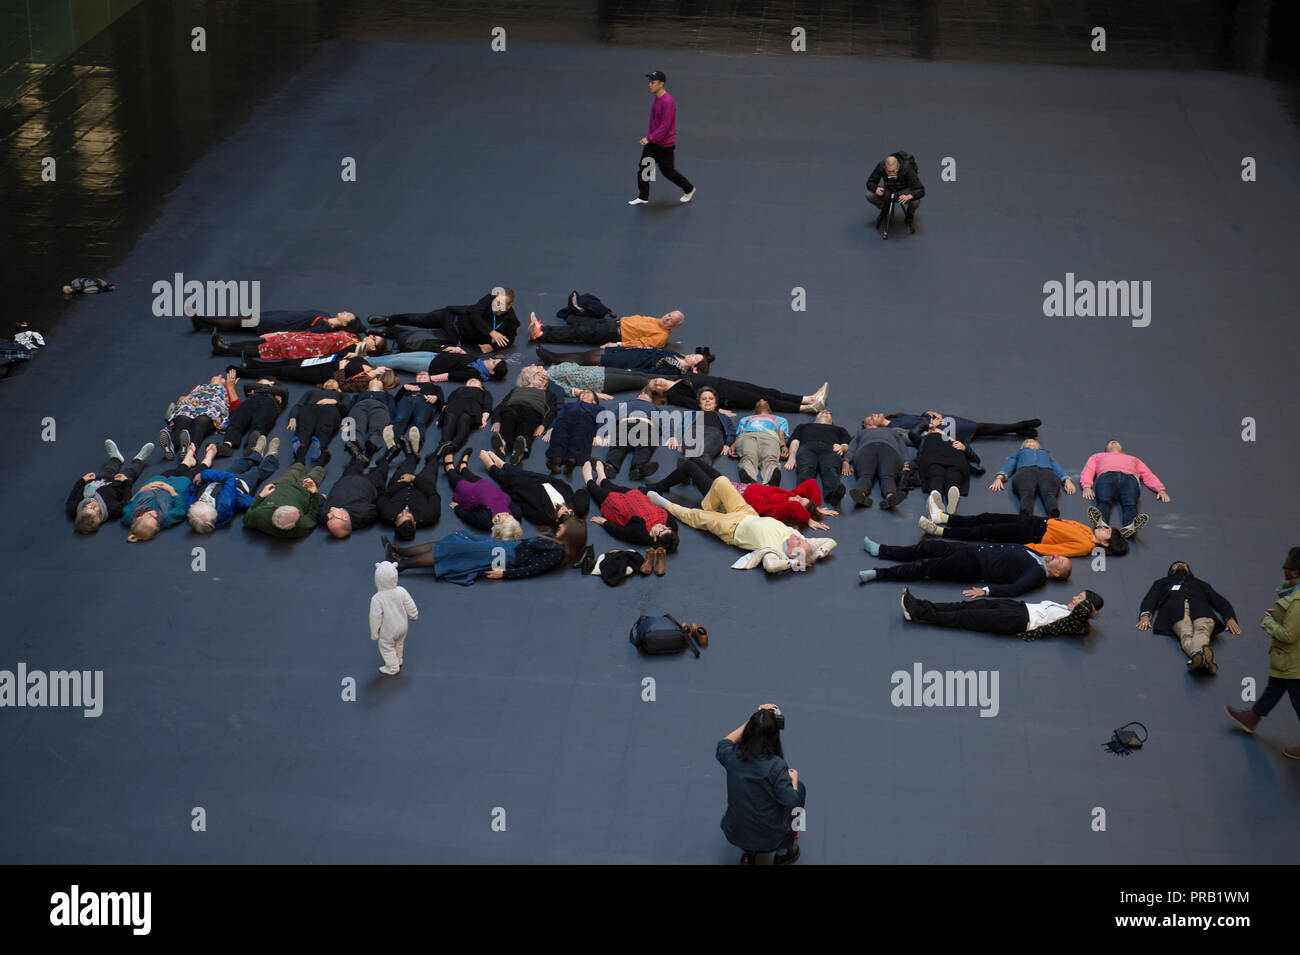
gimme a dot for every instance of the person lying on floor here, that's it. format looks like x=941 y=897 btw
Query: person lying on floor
x=477 y=500
x=966 y=430
x=1008 y=617
x=463 y=558
x=627 y=513
x=801 y=505
x=1182 y=604
x=1008 y=570
x=1044 y=535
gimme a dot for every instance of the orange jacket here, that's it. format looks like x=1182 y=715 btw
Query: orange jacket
x=1065 y=539
x=642 y=331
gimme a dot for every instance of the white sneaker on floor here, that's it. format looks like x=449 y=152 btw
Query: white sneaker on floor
x=954 y=498
x=638 y=201
x=687 y=197
x=388 y=670
x=934 y=506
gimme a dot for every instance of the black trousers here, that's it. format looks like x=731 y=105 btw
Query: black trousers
x=738 y=395
x=519 y=419
x=1028 y=483
x=257 y=413
x=931 y=559
x=664 y=160
x=458 y=426
x=442 y=319
x=321 y=422
x=293 y=370
x=985 y=614
x=1273 y=692
x=199 y=429
x=418 y=339
x=688 y=471
x=620 y=379
x=638 y=438
x=816 y=458
x=596 y=331
x=1002 y=528
x=877 y=462
x=882 y=203
x=936 y=476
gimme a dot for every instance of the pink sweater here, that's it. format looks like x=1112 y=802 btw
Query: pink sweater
x=1104 y=461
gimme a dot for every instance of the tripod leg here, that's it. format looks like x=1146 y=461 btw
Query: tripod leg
x=889 y=217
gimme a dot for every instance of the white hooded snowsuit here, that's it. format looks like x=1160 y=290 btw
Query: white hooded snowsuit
x=390 y=608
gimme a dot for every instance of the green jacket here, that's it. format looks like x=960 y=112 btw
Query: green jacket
x=1283 y=624
x=288 y=490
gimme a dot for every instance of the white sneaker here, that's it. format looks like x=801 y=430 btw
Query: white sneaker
x=638 y=201
x=954 y=498
x=934 y=506
x=688 y=197
x=929 y=526
x=388 y=670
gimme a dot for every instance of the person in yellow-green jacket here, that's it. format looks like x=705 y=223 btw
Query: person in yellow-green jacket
x=1282 y=623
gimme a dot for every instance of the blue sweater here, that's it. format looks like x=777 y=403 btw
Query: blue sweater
x=230 y=500
x=1031 y=458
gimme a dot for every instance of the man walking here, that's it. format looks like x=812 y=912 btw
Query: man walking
x=660 y=143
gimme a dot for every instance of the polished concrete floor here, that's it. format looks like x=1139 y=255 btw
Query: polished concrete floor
x=222 y=687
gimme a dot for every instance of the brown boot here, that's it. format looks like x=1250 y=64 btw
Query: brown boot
x=1246 y=719
x=648 y=565
x=661 y=561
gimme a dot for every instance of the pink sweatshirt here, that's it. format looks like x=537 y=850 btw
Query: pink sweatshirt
x=1104 y=461
x=663 y=121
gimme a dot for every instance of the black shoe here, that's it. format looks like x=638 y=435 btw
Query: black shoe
x=225 y=450
x=569 y=465
x=377 y=321
x=775 y=479
x=354 y=449
x=389 y=550
x=892 y=500
x=499 y=444
x=837 y=495
x=646 y=470
x=251 y=441
x=587 y=560
x=396 y=451
x=519 y=451
x=464 y=458
x=611 y=470
x=442 y=450
x=744 y=477
x=860 y=497
x=911 y=225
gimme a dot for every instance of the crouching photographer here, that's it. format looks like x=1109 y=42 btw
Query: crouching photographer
x=762 y=791
x=896 y=180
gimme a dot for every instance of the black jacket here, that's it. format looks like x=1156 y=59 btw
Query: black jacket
x=552 y=405
x=525 y=489
x=315 y=395
x=358 y=494
x=422 y=389
x=933 y=448
x=420 y=495
x=474 y=323
x=1164 y=601
x=467 y=400
x=1009 y=570
x=905 y=183
x=279 y=392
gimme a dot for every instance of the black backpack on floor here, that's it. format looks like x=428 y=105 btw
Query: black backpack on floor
x=664 y=634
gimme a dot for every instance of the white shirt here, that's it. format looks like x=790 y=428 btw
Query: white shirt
x=1044 y=612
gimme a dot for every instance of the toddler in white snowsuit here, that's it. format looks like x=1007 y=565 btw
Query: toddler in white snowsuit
x=390 y=608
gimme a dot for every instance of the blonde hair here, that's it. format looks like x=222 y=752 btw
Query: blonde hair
x=507 y=529
x=142 y=530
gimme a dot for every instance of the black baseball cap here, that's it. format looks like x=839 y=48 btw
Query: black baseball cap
x=657 y=75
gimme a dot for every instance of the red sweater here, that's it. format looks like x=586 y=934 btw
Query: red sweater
x=621 y=506
x=780 y=503
x=290 y=345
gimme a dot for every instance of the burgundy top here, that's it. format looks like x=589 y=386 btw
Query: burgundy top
x=482 y=491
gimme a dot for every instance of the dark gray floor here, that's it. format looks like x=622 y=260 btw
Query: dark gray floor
x=222 y=688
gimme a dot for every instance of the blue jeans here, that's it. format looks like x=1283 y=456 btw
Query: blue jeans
x=1116 y=486
x=412 y=411
x=265 y=468
x=409 y=361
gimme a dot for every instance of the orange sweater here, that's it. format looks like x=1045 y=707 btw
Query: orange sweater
x=642 y=331
x=1065 y=539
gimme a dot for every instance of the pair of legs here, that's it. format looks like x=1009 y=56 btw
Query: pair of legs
x=316 y=424
x=720 y=513
x=817 y=459
x=189 y=466
x=760 y=457
x=638 y=437
x=664 y=161
x=1113 y=487
x=254 y=414
x=939 y=477
x=1000 y=615
x=413 y=413
x=688 y=471
x=571 y=441
x=390 y=648
x=298 y=370
x=592 y=331
x=256 y=467
x=1194 y=634
x=999 y=528
x=882 y=203
x=1041 y=483
x=519 y=421
x=373 y=425
x=181 y=430
x=877 y=462
x=457 y=426
x=929 y=559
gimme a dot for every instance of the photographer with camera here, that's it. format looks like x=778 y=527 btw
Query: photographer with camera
x=762 y=790
x=894 y=181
